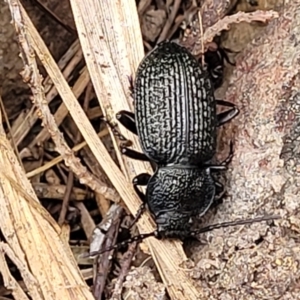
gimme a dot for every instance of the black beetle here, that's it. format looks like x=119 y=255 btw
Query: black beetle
x=176 y=122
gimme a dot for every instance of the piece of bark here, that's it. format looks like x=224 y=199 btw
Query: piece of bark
x=260 y=261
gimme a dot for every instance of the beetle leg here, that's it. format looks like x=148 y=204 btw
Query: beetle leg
x=224 y=55
x=225 y=103
x=116 y=132
x=217 y=168
x=126 y=118
x=133 y=154
x=131 y=85
x=219 y=187
x=228 y=159
x=220 y=191
x=215 y=62
x=228 y=115
x=142 y=180
x=223 y=165
x=140 y=211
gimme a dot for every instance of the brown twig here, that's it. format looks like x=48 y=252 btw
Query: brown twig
x=201 y=36
x=66 y=199
x=103 y=261
x=25 y=123
x=70 y=179
x=169 y=22
x=60 y=158
x=57 y=191
x=87 y=222
x=125 y=265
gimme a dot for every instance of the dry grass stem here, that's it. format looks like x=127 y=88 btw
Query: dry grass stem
x=60 y=158
x=25 y=123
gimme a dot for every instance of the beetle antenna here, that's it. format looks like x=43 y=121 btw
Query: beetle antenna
x=140 y=237
x=234 y=223
x=137 y=238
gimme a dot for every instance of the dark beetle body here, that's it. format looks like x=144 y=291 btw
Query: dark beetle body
x=174 y=195
x=176 y=122
x=175 y=115
x=175 y=107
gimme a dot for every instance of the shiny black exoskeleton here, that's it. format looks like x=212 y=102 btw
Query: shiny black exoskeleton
x=214 y=60
x=176 y=121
